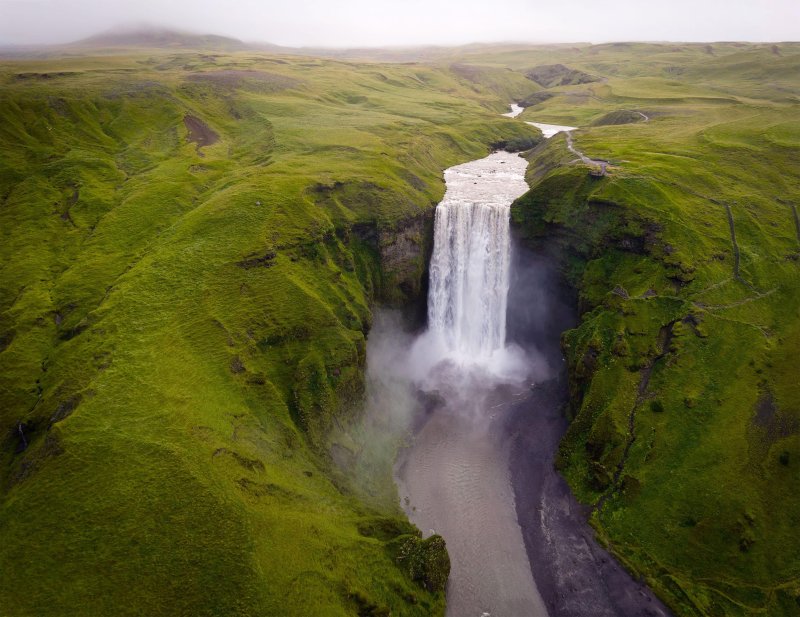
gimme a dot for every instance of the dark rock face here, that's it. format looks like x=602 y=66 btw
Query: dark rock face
x=254 y=261
x=404 y=255
x=400 y=246
x=404 y=250
x=5 y=339
x=535 y=99
x=65 y=408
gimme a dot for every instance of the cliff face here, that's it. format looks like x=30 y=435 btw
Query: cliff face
x=403 y=250
x=389 y=265
x=591 y=237
x=671 y=394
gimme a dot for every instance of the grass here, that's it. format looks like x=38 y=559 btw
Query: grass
x=683 y=395
x=181 y=327
x=182 y=330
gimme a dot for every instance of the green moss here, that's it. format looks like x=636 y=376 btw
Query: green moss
x=181 y=327
x=651 y=251
x=143 y=470
x=425 y=561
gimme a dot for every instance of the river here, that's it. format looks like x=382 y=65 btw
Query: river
x=479 y=467
x=455 y=479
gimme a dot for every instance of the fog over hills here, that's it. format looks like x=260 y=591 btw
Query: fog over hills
x=154 y=36
x=361 y=23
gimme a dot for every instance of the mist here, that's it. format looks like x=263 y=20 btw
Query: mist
x=408 y=371
x=354 y=23
x=461 y=418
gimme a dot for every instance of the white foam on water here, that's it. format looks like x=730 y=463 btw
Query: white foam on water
x=515 y=111
x=548 y=130
x=470 y=265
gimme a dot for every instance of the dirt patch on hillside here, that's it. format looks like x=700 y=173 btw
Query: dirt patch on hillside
x=199 y=132
x=468 y=71
x=773 y=422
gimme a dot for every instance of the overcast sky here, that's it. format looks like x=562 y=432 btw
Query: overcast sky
x=343 y=23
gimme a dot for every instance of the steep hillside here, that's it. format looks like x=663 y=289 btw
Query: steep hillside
x=191 y=244
x=685 y=406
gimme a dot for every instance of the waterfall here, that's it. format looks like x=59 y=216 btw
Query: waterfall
x=455 y=477
x=469 y=276
x=469 y=270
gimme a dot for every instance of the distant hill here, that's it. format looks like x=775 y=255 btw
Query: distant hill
x=160 y=37
x=148 y=36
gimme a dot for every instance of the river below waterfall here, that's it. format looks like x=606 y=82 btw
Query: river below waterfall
x=455 y=479
x=483 y=390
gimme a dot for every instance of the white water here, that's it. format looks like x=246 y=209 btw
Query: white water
x=454 y=478
x=469 y=270
x=515 y=111
x=548 y=130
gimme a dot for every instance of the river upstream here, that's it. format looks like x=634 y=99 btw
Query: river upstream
x=483 y=388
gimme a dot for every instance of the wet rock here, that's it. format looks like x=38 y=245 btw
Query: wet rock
x=65 y=408
x=425 y=561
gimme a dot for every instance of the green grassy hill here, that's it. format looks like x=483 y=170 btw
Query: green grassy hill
x=182 y=323
x=191 y=246
x=685 y=433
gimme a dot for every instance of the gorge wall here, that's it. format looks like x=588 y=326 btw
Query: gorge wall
x=650 y=367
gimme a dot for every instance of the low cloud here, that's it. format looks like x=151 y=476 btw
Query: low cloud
x=350 y=23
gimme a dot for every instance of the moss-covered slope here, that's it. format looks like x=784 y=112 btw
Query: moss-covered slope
x=190 y=247
x=685 y=407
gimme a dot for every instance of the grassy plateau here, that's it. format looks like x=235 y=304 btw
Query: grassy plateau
x=192 y=243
